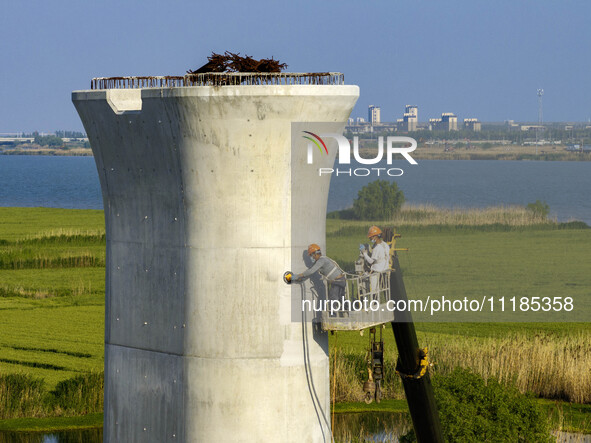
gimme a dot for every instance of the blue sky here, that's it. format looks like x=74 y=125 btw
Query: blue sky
x=475 y=58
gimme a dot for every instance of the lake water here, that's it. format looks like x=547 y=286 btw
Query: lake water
x=377 y=427
x=480 y=183
x=72 y=182
x=48 y=181
x=72 y=436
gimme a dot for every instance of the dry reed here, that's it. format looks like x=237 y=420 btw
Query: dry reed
x=502 y=215
x=545 y=364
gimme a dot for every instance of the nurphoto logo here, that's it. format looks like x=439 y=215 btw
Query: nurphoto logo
x=394 y=145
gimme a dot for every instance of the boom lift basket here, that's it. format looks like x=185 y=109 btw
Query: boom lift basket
x=367 y=302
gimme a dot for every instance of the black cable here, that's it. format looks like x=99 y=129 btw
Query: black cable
x=308 y=370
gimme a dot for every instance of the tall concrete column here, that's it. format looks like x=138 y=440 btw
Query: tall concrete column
x=200 y=345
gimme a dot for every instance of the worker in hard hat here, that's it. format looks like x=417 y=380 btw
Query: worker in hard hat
x=380 y=256
x=329 y=269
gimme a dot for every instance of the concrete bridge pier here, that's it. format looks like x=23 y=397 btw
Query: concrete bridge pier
x=200 y=343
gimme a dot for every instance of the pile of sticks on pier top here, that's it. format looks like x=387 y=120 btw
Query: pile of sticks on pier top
x=230 y=62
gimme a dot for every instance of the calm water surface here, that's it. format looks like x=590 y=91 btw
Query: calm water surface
x=47 y=181
x=73 y=436
x=72 y=182
x=480 y=183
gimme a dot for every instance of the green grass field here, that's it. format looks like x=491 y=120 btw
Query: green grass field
x=52 y=302
x=52 y=298
x=484 y=261
x=478 y=260
x=52 y=282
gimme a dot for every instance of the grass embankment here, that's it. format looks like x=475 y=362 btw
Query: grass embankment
x=93 y=420
x=52 y=302
x=38 y=150
x=494 y=252
x=500 y=152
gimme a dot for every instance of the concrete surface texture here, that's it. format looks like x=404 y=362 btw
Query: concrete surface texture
x=196 y=181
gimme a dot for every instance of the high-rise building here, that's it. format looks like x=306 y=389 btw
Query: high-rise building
x=373 y=114
x=410 y=118
x=447 y=122
x=412 y=110
x=450 y=121
x=472 y=124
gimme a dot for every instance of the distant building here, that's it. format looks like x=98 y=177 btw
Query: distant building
x=472 y=124
x=373 y=114
x=450 y=121
x=533 y=127
x=358 y=126
x=447 y=122
x=511 y=124
x=410 y=119
x=359 y=129
x=579 y=148
x=434 y=124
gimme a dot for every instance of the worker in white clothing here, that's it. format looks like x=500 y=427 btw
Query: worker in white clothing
x=380 y=256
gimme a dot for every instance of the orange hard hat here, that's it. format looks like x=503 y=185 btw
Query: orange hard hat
x=313 y=248
x=373 y=231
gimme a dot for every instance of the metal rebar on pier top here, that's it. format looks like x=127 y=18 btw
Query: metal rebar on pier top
x=196 y=177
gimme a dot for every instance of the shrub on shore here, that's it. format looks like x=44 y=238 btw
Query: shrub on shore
x=378 y=200
x=472 y=409
x=22 y=395
x=79 y=395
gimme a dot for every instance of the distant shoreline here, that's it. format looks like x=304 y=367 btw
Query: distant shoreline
x=77 y=152
x=423 y=152
x=496 y=152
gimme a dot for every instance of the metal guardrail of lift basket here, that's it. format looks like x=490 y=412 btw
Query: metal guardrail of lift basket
x=219 y=79
x=359 y=287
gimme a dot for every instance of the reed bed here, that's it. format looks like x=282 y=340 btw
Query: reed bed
x=547 y=365
x=79 y=395
x=19 y=291
x=423 y=218
x=421 y=215
x=550 y=366
x=349 y=372
x=29 y=259
x=65 y=235
x=62 y=248
x=22 y=395
x=76 y=289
